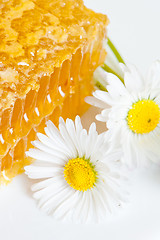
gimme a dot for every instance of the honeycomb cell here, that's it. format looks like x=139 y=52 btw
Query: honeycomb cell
x=48 y=53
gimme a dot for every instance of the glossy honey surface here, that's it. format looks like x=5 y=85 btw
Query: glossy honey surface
x=48 y=52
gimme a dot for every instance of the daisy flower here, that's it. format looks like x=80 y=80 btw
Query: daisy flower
x=78 y=177
x=132 y=113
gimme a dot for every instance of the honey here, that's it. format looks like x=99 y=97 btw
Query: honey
x=48 y=53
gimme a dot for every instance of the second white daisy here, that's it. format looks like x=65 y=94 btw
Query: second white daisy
x=132 y=113
x=77 y=175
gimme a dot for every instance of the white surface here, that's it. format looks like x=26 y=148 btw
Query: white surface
x=134 y=28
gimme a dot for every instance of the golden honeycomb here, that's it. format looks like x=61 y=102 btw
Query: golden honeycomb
x=49 y=50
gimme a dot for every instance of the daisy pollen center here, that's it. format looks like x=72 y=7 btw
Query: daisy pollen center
x=80 y=174
x=144 y=116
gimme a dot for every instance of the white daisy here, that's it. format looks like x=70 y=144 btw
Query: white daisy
x=132 y=113
x=77 y=174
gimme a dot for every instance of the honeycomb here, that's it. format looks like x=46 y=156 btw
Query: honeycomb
x=48 y=53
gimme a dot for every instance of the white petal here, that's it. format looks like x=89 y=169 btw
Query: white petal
x=153 y=75
x=67 y=205
x=103 y=96
x=78 y=125
x=133 y=80
x=151 y=143
x=100 y=202
x=51 y=190
x=35 y=172
x=100 y=75
x=42 y=184
x=91 y=140
x=58 y=146
x=44 y=148
x=55 y=200
x=113 y=155
x=67 y=139
x=79 y=212
x=103 y=117
x=52 y=132
x=82 y=143
x=96 y=102
x=115 y=88
x=74 y=136
x=42 y=156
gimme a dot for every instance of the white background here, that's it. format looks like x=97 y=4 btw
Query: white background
x=134 y=28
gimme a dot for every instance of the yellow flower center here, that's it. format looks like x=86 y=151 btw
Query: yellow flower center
x=80 y=174
x=144 y=116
